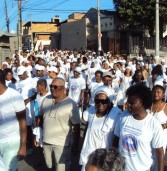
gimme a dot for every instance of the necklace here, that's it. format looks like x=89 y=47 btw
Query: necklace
x=156 y=109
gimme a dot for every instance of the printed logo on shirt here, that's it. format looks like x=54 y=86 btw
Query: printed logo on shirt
x=19 y=90
x=92 y=73
x=129 y=143
x=73 y=88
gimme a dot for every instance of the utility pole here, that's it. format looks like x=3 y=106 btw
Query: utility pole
x=157 y=31
x=20 y=24
x=32 y=43
x=99 y=26
x=7 y=18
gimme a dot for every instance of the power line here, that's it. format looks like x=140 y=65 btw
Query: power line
x=50 y=9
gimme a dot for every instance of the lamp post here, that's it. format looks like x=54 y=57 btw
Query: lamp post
x=19 y=25
x=157 y=31
x=99 y=26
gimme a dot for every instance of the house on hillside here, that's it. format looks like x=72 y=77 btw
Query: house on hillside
x=37 y=35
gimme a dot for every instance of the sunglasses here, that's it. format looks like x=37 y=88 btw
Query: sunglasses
x=55 y=87
x=102 y=101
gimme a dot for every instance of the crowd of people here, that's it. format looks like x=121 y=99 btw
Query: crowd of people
x=45 y=95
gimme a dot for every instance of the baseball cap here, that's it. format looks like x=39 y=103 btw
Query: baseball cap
x=128 y=67
x=52 y=68
x=78 y=69
x=39 y=67
x=107 y=74
x=21 y=70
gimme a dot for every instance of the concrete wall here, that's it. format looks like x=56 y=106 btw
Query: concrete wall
x=73 y=35
x=76 y=16
x=4 y=52
x=13 y=44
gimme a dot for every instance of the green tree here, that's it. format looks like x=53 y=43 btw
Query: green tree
x=136 y=14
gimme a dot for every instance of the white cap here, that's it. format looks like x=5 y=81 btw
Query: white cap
x=104 y=90
x=108 y=73
x=52 y=68
x=39 y=67
x=163 y=60
x=159 y=81
x=24 y=60
x=78 y=69
x=128 y=67
x=5 y=63
x=21 y=70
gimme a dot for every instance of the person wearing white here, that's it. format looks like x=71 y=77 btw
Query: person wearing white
x=77 y=86
x=126 y=80
x=91 y=72
x=101 y=120
x=53 y=73
x=94 y=85
x=12 y=125
x=40 y=72
x=42 y=91
x=10 y=80
x=159 y=111
x=138 y=132
x=27 y=88
x=107 y=81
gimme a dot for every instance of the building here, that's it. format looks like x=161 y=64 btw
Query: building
x=80 y=31
x=8 y=44
x=37 y=34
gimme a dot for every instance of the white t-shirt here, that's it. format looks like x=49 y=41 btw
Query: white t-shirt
x=27 y=88
x=2 y=165
x=137 y=138
x=75 y=87
x=97 y=62
x=91 y=74
x=10 y=84
x=93 y=86
x=40 y=98
x=100 y=131
x=29 y=70
x=10 y=103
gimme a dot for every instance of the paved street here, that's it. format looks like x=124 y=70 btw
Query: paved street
x=35 y=161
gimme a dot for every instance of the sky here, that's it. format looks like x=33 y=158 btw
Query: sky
x=44 y=10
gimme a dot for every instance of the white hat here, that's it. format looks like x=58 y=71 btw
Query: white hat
x=105 y=90
x=52 y=68
x=24 y=60
x=163 y=60
x=159 y=81
x=5 y=63
x=108 y=73
x=78 y=69
x=128 y=67
x=21 y=70
x=39 y=67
